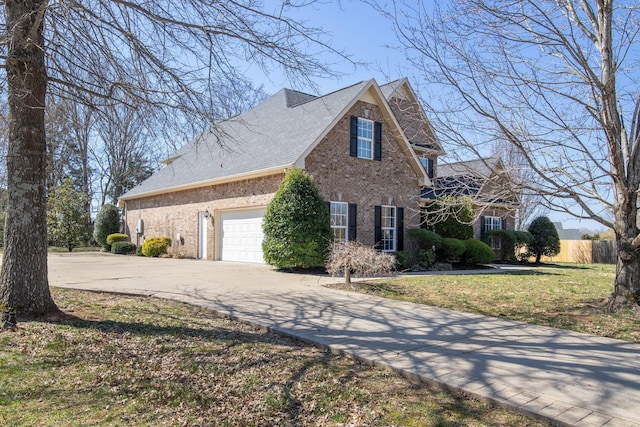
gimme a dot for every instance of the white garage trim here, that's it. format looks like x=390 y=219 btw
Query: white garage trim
x=240 y=235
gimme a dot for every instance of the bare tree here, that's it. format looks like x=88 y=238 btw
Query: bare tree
x=123 y=153
x=168 y=55
x=530 y=203
x=558 y=81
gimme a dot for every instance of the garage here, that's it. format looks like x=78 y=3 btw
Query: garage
x=241 y=236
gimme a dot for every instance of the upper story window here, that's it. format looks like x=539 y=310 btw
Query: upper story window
x=427 y=164
x=339 y=214
x=365 y=139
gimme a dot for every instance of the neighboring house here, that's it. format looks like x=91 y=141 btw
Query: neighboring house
x=211 y=195
x=487 y=183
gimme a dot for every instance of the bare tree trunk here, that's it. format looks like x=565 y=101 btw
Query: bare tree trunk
x=24 y=287
x=626 y=292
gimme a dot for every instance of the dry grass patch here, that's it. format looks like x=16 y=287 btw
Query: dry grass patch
x=565 y=296
x=143 y=361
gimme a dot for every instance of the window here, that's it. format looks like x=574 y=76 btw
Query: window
x=493 y=223
x=427 y=164
x=339 y=214
x=365 y=139
x=388 y=227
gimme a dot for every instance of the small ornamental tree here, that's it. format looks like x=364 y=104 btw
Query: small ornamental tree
x=297 y=232
x=545 y=239
x=107 y=222
x=67 y=217
x=451 y=217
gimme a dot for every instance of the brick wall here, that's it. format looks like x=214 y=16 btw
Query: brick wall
x=177 y=212
x=339 y=177
x=367 y=183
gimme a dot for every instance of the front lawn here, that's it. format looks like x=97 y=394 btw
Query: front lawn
x=566 y=296
x=123 y=360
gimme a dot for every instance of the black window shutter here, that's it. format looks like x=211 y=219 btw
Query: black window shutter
x=503 y=223
x=430 y=168
x=377 y=227
x=377 y=141
x=483 y=225
x=400 y=229
x=353 y=141
x=328 y=207
x=353 y=221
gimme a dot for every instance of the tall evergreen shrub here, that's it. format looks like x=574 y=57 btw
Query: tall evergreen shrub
x=107 y=222
x=296 y=225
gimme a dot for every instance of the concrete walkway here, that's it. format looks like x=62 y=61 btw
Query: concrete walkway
x=558 y=376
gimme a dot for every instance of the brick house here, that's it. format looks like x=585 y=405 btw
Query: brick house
x=488 y=184
x=211 y=194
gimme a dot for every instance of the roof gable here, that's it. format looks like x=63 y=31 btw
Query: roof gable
x=277 y=134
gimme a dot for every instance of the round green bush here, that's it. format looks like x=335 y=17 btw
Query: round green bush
x=477 y=252
x=116 y=237
x=450 y=250
x=123 y=248
x=155 y=246
x=425 y=239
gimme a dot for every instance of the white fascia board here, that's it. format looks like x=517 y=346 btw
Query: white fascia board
x=231 y=178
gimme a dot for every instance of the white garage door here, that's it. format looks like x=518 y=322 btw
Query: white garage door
x=242 y=236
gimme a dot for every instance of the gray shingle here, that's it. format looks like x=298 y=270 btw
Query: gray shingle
x=275 y=134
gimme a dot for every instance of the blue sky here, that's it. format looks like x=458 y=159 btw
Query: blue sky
x=367 y=37
x=358 y=30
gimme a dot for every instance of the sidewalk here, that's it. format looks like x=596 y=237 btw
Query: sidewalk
x=559 y=376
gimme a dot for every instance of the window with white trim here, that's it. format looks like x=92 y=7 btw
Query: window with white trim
x=365 y=139
x=339 y=214
x=493 y=223
x=388 y=228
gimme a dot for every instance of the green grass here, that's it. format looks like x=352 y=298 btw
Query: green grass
x=124 y=360
x=566 y=296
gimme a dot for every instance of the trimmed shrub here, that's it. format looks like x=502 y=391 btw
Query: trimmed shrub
x=155 y=246
x=116 y=237
x=296 y=226
x=139 y=251
x=426 y=258
x=425 y=239
x=123 y=248
x=403 y=260
x=107 y=222
x=477 y=252
x=545 y=238
x=451 y=250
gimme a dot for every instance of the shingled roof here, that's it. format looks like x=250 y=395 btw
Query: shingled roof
x=275 y=135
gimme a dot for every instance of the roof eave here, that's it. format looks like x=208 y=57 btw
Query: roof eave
x=281 y=169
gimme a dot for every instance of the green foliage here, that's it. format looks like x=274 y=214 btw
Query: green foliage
x=107 y=222
x=545 y=239
x=116 y=237
x=123 y=248
x=139 y=251
x=426 y=258
x=454 y=216
x=67 y=216
x=155 y=246
x=403 y=260
x=425 y=239
x=477 y=252
x=297 y=232
x=451 y=250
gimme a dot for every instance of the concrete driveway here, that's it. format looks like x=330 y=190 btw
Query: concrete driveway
x=564 y=377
